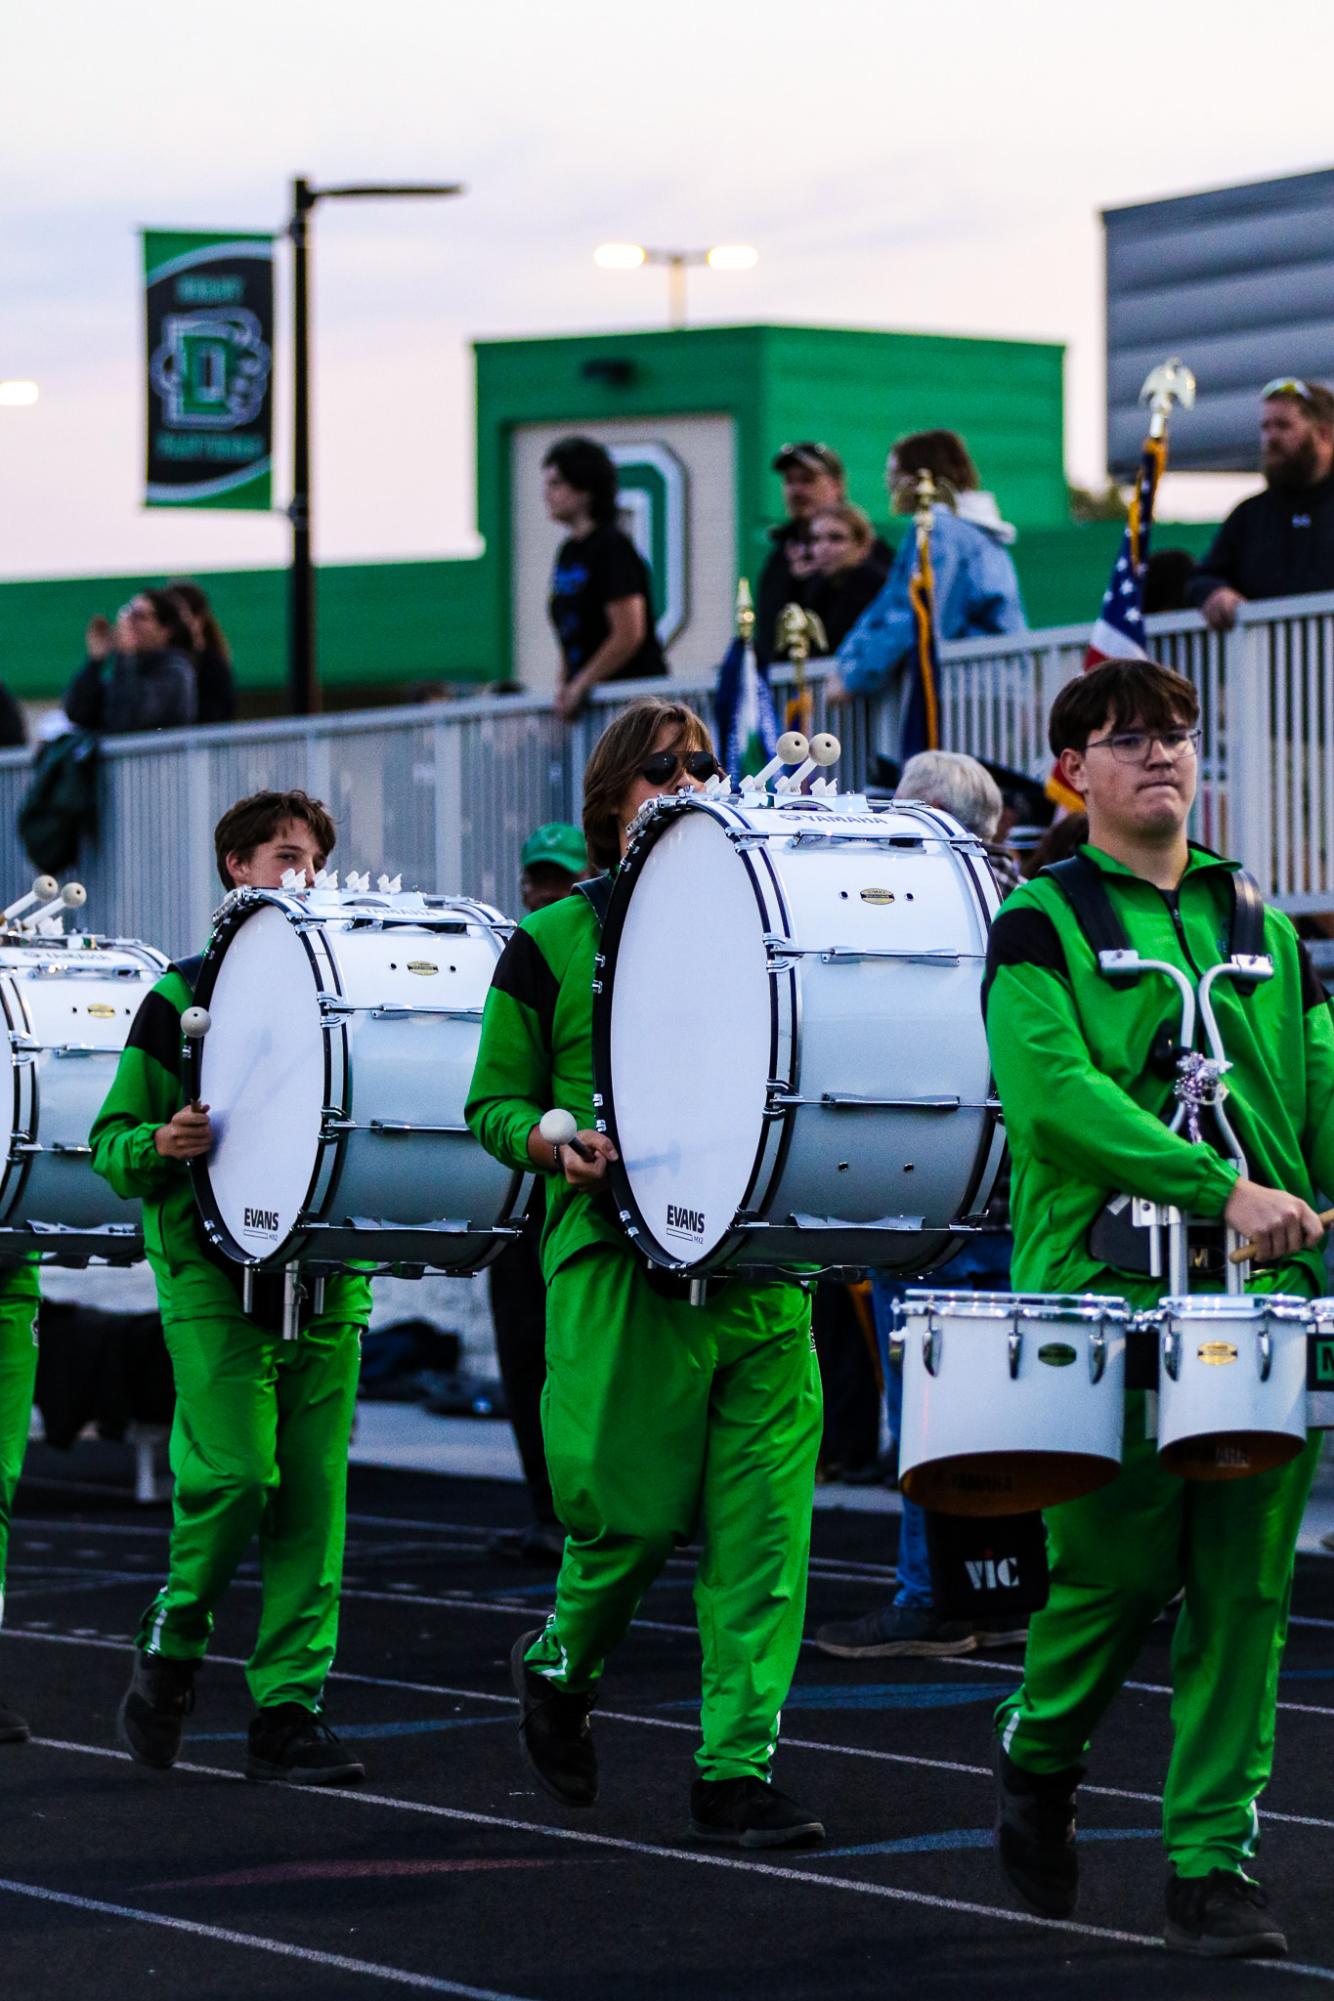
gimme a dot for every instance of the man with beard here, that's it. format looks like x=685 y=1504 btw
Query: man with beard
x=1279 y=543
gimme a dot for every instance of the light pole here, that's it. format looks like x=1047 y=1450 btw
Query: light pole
x=722 y=257
x=303 y=680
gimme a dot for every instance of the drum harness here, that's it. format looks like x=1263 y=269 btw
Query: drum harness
x=1129 y=1234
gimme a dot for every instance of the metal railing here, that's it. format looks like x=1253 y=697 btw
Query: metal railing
x=447 y=793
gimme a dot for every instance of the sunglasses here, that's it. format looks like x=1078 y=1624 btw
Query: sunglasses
x=1287 y=385
x=661 y=766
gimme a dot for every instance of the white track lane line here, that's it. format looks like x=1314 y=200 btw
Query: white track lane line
x=809 y=1878
x=789 y=1743
x=426 y=1982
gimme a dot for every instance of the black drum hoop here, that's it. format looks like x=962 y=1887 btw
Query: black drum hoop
x=628 y=1213
x=324 y=1175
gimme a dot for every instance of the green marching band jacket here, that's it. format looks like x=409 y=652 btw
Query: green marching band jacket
x=1085 y=1109
x=536 y=1053
x=194 y=1281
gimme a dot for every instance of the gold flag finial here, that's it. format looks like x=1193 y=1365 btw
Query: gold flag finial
x=745 y=611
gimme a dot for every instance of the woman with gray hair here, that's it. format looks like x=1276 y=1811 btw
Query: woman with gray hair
x=961 y=786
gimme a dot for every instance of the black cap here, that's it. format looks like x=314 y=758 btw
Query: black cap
x=814 y=457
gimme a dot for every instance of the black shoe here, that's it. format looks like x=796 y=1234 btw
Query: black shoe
x=151 y=1718
x=1035 y=1834
x=1221 y=1916
x=13 y=1727
x=896 y=1629
x=554 y=1732
x=289 y=1742
x=749 y=1813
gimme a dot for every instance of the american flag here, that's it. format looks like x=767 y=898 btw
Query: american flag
x=1118 y=630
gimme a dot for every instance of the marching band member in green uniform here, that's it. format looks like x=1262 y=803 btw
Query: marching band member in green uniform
x=656 y=1414
x=260 y=1436
x=20 y=1294
x=1085 y=1097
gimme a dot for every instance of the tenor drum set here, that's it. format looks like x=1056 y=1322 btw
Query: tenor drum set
x=790 y=1057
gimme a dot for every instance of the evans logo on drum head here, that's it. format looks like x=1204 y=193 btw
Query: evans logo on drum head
x=877 y=896
x=1216 y=1353
x=423 y=966
x=685 y=1222
x=1057 y=1354
x=261 y=1222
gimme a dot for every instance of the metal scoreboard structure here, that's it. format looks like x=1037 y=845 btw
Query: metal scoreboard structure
x=1240 y=283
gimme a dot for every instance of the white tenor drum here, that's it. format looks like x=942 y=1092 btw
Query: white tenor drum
x=1231 y=1383
x=344 y=1029
x=1011 y=1401
x=67 y=1003
x=788 y=1040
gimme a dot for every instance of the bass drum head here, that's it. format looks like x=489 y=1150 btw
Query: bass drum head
x=691 y=1037
x=263 y=1080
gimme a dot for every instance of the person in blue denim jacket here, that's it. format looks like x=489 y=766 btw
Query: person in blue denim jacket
x=977 y=590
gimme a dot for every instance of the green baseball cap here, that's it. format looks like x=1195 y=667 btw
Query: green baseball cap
x=558 y=843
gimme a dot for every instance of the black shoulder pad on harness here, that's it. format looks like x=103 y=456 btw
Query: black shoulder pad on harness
x=597 y=891
x=1082 y=884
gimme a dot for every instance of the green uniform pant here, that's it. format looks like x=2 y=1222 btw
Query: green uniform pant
x=1117 y=1558
x=658 y=1415
x=259 y=1446
x=18 y=1373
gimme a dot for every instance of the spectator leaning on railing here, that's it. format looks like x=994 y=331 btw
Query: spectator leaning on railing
x=813 y=480
x=210 y=654
x=140 y=677
x=976 y=588
x=1279 y=543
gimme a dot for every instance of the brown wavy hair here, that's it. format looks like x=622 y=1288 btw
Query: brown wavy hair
x=614 y=766
x=1130 y=692
x=250 y=822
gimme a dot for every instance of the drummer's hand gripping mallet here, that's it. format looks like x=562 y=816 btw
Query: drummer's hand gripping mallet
x=559 y=1129
x=195 y=1025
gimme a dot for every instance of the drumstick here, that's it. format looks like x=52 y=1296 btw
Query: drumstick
x=558 y=1129
x=1244 y=1251
x=195 y=1025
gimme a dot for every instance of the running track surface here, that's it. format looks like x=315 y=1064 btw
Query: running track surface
x=449 y=1872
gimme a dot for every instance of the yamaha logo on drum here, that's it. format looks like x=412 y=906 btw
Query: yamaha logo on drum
x=423 y=966
x=877 y=896
x=261 y=1222
x=1217 y=1353
x=685 y=1222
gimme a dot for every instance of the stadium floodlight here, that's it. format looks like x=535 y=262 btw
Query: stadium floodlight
x=721 y=257
x=18 y=395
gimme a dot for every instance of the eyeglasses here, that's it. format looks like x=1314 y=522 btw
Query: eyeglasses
x=1287 y=385
x=1133 y=746
x=137 y=612
x=661 y=766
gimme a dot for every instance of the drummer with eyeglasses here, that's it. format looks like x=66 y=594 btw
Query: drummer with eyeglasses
x=260 y=1435
x=1085 y=1068
x=658 y=1415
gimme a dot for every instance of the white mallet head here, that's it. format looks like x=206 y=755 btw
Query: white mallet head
x=45 y=887
x=196 y=1023
x=74 y=896
x=557 y=1128
x=792 y=747
x=825 y=749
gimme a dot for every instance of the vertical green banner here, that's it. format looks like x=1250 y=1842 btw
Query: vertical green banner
x=209 y=324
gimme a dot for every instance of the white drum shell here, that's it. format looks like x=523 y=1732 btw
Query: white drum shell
x=1219 y=1415
x=339 y=1121
x=796 y=1057
x=67 y=1005
x=991 y=1427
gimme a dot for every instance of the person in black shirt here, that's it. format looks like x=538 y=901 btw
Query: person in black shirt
x=813 y=479
x=138 y=676
x=1279 y=543
x=847 y=578
x=601 y=594
x=209 y=651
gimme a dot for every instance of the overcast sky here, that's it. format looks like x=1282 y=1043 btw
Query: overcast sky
x=937 y=166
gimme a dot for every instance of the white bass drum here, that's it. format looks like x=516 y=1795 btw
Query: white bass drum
x=344 y=1029
x=788 y=1042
